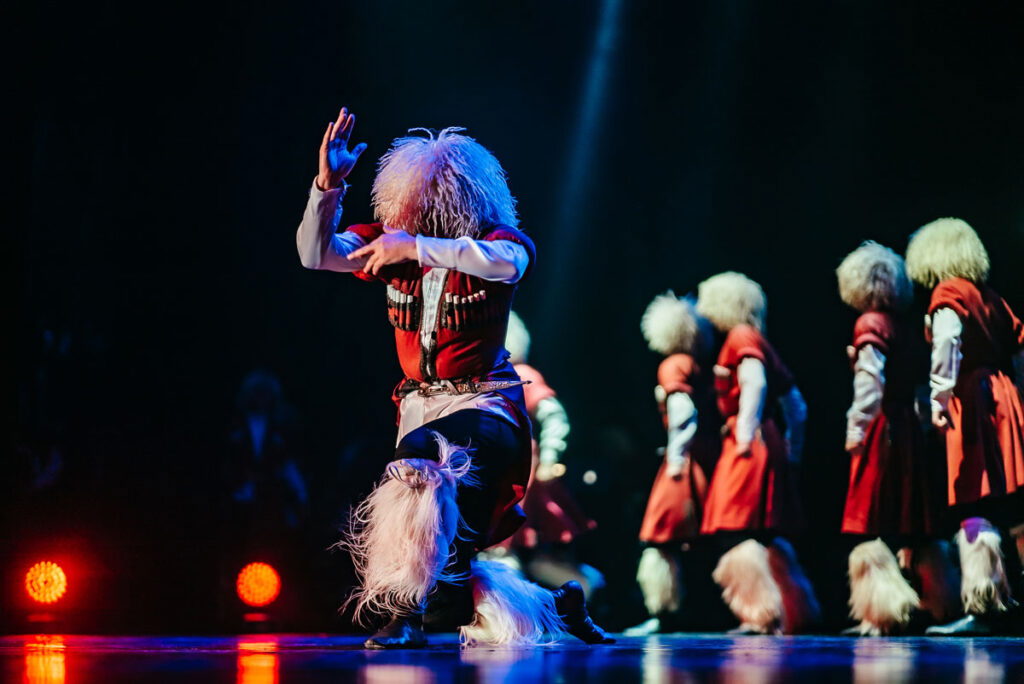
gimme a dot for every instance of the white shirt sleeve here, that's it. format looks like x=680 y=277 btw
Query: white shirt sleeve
x=946 y=331
x=794 y=411
x=554 y=428
x=753 y=389
x=320 y=247
x=868 y=387
x=497 y=260
x=682 y=426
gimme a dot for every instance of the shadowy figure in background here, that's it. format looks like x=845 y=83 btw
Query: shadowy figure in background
x=266 y=489
x=543 y=547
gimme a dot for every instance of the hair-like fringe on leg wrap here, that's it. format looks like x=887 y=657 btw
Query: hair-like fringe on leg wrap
x=880 y=598
x=660 y=580
x=510 y=610
x=401 y=536
x=983 y=583
x=748 y=587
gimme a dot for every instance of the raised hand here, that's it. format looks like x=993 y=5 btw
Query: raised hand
x=336 y=160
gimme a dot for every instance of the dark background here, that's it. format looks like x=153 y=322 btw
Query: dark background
x=170 y=151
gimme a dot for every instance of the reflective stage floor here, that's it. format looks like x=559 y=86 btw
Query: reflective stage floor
x=265 y=659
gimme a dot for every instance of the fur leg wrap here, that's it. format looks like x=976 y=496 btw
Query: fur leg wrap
x=660 y=581
x=509 y=609
x=745 y=575
x=880 y=598
x=984 y=586
x=401 y=536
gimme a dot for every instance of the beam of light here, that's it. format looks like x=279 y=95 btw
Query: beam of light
x=582 y=145
x=44 y=660
x=258 y=662
x=258 y=584
x=46 y=582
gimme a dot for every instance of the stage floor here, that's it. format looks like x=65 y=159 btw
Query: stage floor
x=264 y=659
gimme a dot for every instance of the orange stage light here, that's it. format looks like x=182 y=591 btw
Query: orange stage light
x=46 y=582
x=258 y=584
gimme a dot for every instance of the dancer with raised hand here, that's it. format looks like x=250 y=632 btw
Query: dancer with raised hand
x=975 y=336
x=686 y=399
x=888 y=494
x=753 y=495
x=447 y=248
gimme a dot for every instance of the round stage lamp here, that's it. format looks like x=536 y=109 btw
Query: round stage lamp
x=258 y=584
x=46 y=582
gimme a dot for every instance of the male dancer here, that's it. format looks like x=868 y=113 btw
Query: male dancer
x=447 y=247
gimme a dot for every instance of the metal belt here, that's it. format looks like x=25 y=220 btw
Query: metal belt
x=427 y=389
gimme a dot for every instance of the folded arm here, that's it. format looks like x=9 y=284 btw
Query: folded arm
x=682 y=427
x=868 y=387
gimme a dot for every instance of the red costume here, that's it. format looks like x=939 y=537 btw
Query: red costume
x=753 y=491
x=888 y=492
x=467 y=346
x=675 y=505
x=985 y=440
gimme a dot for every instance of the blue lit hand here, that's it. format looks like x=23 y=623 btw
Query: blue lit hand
x=336 y=160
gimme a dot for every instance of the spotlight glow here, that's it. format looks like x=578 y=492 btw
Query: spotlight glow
x=46 y=582
x=258 y=584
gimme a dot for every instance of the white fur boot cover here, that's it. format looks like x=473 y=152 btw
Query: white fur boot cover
x=983 y=583
x=748 y=588
x=880 y=598
x=401 y=536
x=660 y=581
x=509 y=609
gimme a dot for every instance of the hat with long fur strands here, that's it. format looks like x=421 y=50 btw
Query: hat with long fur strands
x=946 y=248
x=730 y=299
x=669 y=324
x=517 y=339
x=874 y=278
x=444 y=185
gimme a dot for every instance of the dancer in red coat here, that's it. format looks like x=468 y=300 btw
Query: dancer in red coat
x=447 y=248
x=753 y=490
x=974 y=336
x=888 y=494
x=686 y=400
x=542 y=548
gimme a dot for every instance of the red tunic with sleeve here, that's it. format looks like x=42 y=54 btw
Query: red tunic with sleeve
x=467 y=342
x=552 y=514
x=888 y=491
x=752 y=492
x=985 y=441
x=675 y=505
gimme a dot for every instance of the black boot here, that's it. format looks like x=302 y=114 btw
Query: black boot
x=401 y=632
x=572 y=608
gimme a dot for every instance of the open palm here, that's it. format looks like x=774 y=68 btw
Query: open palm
x=336 y=160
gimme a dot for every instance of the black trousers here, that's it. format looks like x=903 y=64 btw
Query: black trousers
x=499 y=451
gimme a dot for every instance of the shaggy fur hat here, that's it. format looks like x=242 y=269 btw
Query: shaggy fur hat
x=944 y=249
x=874 y=278
x=444 y=185
x=670 y=324
x=730 y=299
